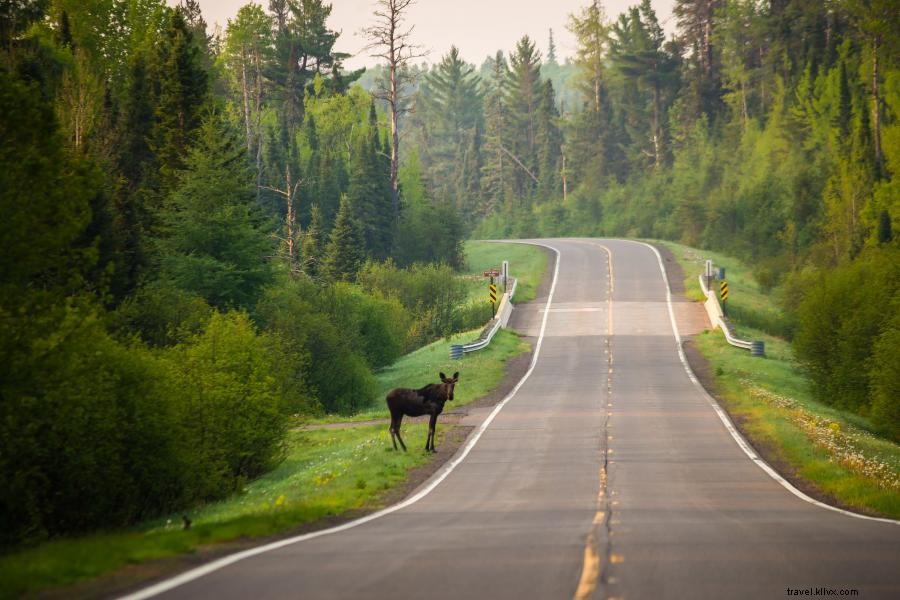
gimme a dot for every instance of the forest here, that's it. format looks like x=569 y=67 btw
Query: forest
x=202 y=228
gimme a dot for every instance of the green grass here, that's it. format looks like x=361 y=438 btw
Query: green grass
x=748 y=306
x=326 y=472
x=479 y=372
x=527 y=264
x=834 y=450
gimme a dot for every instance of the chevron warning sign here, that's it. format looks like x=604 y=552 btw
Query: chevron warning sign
x=492 y=293
x=723 y=290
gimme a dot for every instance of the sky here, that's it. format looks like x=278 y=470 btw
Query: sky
x=477 y=27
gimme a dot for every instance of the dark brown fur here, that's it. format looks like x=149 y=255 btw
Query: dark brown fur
x=428 y=400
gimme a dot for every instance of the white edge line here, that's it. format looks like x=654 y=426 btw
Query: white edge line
x=188 y=576
x=726 y=420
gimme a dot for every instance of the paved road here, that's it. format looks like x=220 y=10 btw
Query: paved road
x=607 y=474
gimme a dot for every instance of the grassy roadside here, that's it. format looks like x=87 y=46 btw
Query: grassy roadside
x=325 y=472
x=834 y=451
x=527 y=263
x=480 y=372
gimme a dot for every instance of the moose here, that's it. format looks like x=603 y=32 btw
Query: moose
x=427 y=400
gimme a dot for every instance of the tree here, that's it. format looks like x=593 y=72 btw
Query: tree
x=345 y=253
x=313 y=246
x=551 y=50
x=392 y=43
x=638 y=54
x=449 y=103
x=523 y=95
x=248 y=45
x=495 y=174
x=369 y=191
x=214 y=245
x=697 y=20
x=181 y=92
x=588 y=132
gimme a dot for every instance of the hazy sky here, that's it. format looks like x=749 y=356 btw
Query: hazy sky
x=477 y=27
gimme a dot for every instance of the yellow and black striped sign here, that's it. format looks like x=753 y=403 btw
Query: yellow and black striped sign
x=723 y=290
x=492 y=294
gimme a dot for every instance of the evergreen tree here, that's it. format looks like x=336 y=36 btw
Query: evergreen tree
x=697 y=22
x=214 y=245
x=181 y=93
x=369 y=192
x=345 y=253
x=551 y=50
x=649 y=78
x=549 y=145
x=588 y=135
x=496 y=170
x=523 y=96
x=313 y=246
x=450 y=100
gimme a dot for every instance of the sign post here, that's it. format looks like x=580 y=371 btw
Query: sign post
x=492 y=290
x=723 y=293
x=492 y=294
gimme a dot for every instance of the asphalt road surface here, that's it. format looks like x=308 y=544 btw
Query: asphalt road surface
x=608 y=474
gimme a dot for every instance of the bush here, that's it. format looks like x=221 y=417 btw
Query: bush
x=431 y=293
x=229 y=405
x=884 y=377
x=339 y=380
x=840 y=317
x=376 y=325
x=86 y=426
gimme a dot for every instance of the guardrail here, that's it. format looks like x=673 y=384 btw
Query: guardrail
x=504 y=310
x=717 y=318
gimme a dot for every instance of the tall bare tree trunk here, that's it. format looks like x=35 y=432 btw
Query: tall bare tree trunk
x=395 y=143
x=392 y=44
x=258 y=127
x=246 y=93
x=876 y=104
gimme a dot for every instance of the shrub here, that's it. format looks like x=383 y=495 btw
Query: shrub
x=840 y=318
x=337 y=378
x=229 y=404
x=431 y=293
x=86 y=426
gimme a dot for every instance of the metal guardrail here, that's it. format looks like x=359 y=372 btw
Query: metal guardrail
x=487 y=334
x=755 y=348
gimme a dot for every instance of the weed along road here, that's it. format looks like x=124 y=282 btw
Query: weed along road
x=608 y=473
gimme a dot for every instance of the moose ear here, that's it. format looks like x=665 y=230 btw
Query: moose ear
x=456 y=376
x=443 y=377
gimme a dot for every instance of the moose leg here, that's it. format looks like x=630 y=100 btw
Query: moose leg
x=395 y=431
x=429 y=441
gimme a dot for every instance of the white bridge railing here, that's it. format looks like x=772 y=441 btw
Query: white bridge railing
x=504 y=311
x=717 y=319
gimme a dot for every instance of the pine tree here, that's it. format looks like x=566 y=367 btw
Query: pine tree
x=182 y=92
x=313 y=246
x=450 y=100
x=523 y=95
x=588 y=136
x=549 y=145
x=551 y=50
x=649 y=75
x=345 y=253
x=495 y=172
x=369 y=191
x=213 y=243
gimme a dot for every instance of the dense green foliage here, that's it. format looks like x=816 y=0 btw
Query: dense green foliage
x=183 y=218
